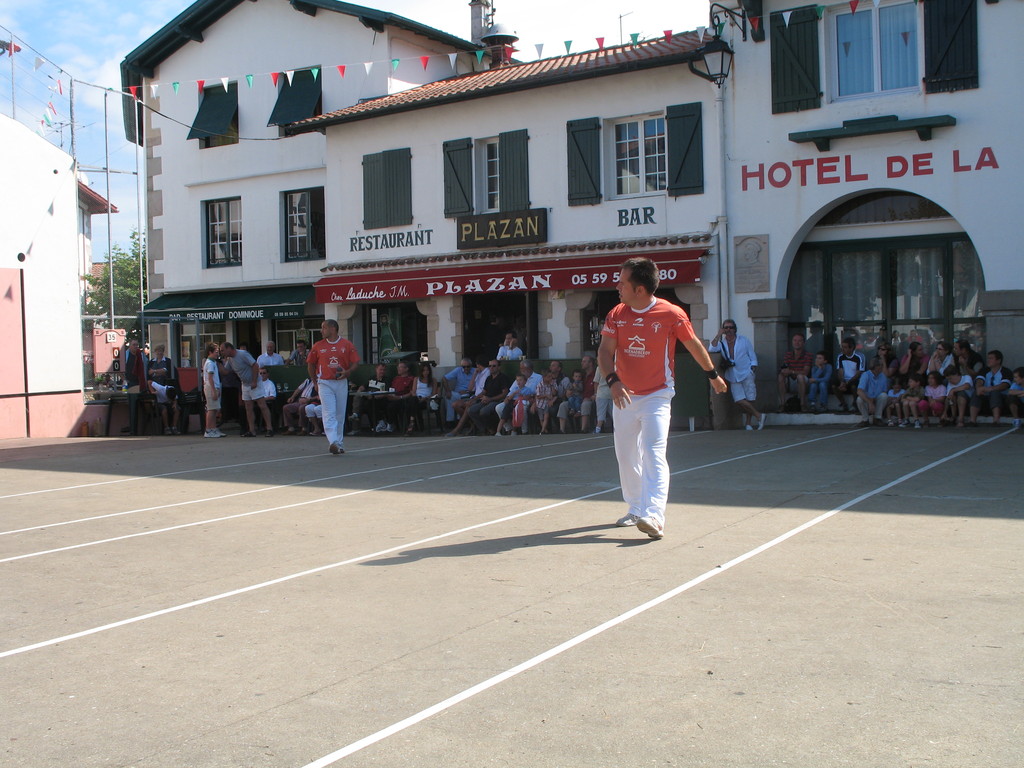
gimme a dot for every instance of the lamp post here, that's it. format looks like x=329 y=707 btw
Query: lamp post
x=715 y=61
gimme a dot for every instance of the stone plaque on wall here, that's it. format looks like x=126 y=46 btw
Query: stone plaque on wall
x=750 y=263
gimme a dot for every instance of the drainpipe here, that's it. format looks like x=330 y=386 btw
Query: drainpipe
x=722 y=222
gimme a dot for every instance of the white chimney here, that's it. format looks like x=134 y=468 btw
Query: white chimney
x=481 y=13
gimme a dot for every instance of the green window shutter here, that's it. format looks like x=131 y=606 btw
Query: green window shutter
x=458 y=177
x=216 y=112
x=950 y=45
x=387 y=189
x=513 y=171
x=297 y=100
x=583 y=138
x=796 y=79
x=685 y=135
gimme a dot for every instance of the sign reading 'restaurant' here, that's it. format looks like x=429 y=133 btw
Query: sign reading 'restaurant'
x=497 y=230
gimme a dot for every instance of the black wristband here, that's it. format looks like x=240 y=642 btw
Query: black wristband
x=611 y=378
x=712 y=374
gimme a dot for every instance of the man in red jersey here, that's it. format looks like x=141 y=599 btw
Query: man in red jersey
x=638 y=346
x=330 y=362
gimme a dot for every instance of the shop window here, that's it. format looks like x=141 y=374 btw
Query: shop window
x=393 y=331
x=640 y=156
x=304 y=230
x=875 y=50
x=923 y=289
x=387 y=189
x=223 y=223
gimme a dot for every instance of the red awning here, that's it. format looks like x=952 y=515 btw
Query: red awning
x=500 y=276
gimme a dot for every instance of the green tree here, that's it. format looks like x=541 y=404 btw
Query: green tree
x=96 y=303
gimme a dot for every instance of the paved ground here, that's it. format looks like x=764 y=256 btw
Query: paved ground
x=822 y=598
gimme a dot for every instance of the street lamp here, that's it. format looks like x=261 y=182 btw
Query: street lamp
x=715 y=61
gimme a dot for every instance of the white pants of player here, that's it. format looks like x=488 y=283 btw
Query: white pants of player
x=334 y=399
x=641 y=437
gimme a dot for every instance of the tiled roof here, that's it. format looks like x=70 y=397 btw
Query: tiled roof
x=646 y=244
x=661 y=52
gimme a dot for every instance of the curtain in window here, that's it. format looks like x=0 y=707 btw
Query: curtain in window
x=968 y=280
x=919 y=284
x=806 y=288
x=854 y=54
x=897 y=40
x=857 y=286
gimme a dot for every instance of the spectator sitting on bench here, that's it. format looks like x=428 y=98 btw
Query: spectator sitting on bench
x=991 y=389
x=1015 y=396
x=959 y=389
x=796 y=366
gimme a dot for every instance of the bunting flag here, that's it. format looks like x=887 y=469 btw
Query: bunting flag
x=289 y=73
x=175 y=85
x=600 y=43
x=452 y=57
x=152 y=90
x=876 y=2
x=224 y=82
x=700 y=34
x=394 y=64
x=367 y=65
x=668 y=35
x=634 y=36
x=479 y=56
x=46 y=117
x=853 y=6
x=341 y=70
x=720 y=28
x=568 y=45
x=38 y=62
x=60 y=88
x=134 y=91
x=846 y=49
x=273 y=77
x=54 y=109
x=755 y=23
x=424 y=60
x=820 y=10
x=906 y=37
x=316 y=72
x=200 y=83
x=248 y=80
x=540 y=50
x=785 y=17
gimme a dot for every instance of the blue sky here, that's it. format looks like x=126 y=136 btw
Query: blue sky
x=88 y=40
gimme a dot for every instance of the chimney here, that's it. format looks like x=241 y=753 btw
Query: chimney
x=500 y=39
x=481 y=16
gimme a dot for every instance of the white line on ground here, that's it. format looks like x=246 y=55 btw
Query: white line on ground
x=362 y=558
x=468 y=693
x=265 y=489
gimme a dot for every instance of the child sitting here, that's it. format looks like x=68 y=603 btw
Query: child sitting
x=1015 y=396
x=892 y=408
x=547 y=390
x=821 y=375
x=518 y=405
x=959 y=389
x=935 y=396
x=912 y=396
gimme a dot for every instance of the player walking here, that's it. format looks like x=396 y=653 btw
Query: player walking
x=330 y=362
x=638 y=347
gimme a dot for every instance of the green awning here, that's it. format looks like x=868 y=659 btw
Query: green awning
x=218 y=306
x=297 y=99
x=216 y=112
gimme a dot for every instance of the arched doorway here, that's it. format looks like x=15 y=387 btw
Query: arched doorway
x=886 y=266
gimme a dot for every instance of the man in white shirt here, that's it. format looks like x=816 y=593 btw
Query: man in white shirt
x=270 y=357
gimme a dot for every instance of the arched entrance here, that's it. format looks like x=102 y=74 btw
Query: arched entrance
x=886 y=266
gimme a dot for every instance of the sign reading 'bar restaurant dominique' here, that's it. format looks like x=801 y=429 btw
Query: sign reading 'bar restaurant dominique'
x=497 y=230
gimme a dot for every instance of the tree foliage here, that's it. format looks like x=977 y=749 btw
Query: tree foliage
x=127 y=299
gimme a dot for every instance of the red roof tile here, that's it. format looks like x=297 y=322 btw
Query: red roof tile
x=535 y=74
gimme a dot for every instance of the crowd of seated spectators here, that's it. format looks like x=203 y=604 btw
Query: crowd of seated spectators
x=948 y=385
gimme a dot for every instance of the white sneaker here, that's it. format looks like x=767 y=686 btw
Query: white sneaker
x=760 y=424
x=917 y=424
x=750 y=428
x=597 y=430
x=1016 y=423
x=627 y=520
x=651 y=527
x=213 y=433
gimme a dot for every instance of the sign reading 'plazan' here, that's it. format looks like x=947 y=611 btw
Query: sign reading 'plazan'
x=471 y=277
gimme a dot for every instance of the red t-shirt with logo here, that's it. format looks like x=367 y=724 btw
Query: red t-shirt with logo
x=646 y=344
x=325 y=354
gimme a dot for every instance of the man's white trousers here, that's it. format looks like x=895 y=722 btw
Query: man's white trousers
x=641 y=437
x=334 y=399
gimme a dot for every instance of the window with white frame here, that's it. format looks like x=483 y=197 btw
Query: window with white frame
x=304 y=231
x=875 y=49
x=640 y=156
x=223 y=232
x=490 y=181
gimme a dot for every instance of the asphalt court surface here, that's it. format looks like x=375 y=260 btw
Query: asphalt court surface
x=822 y=597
